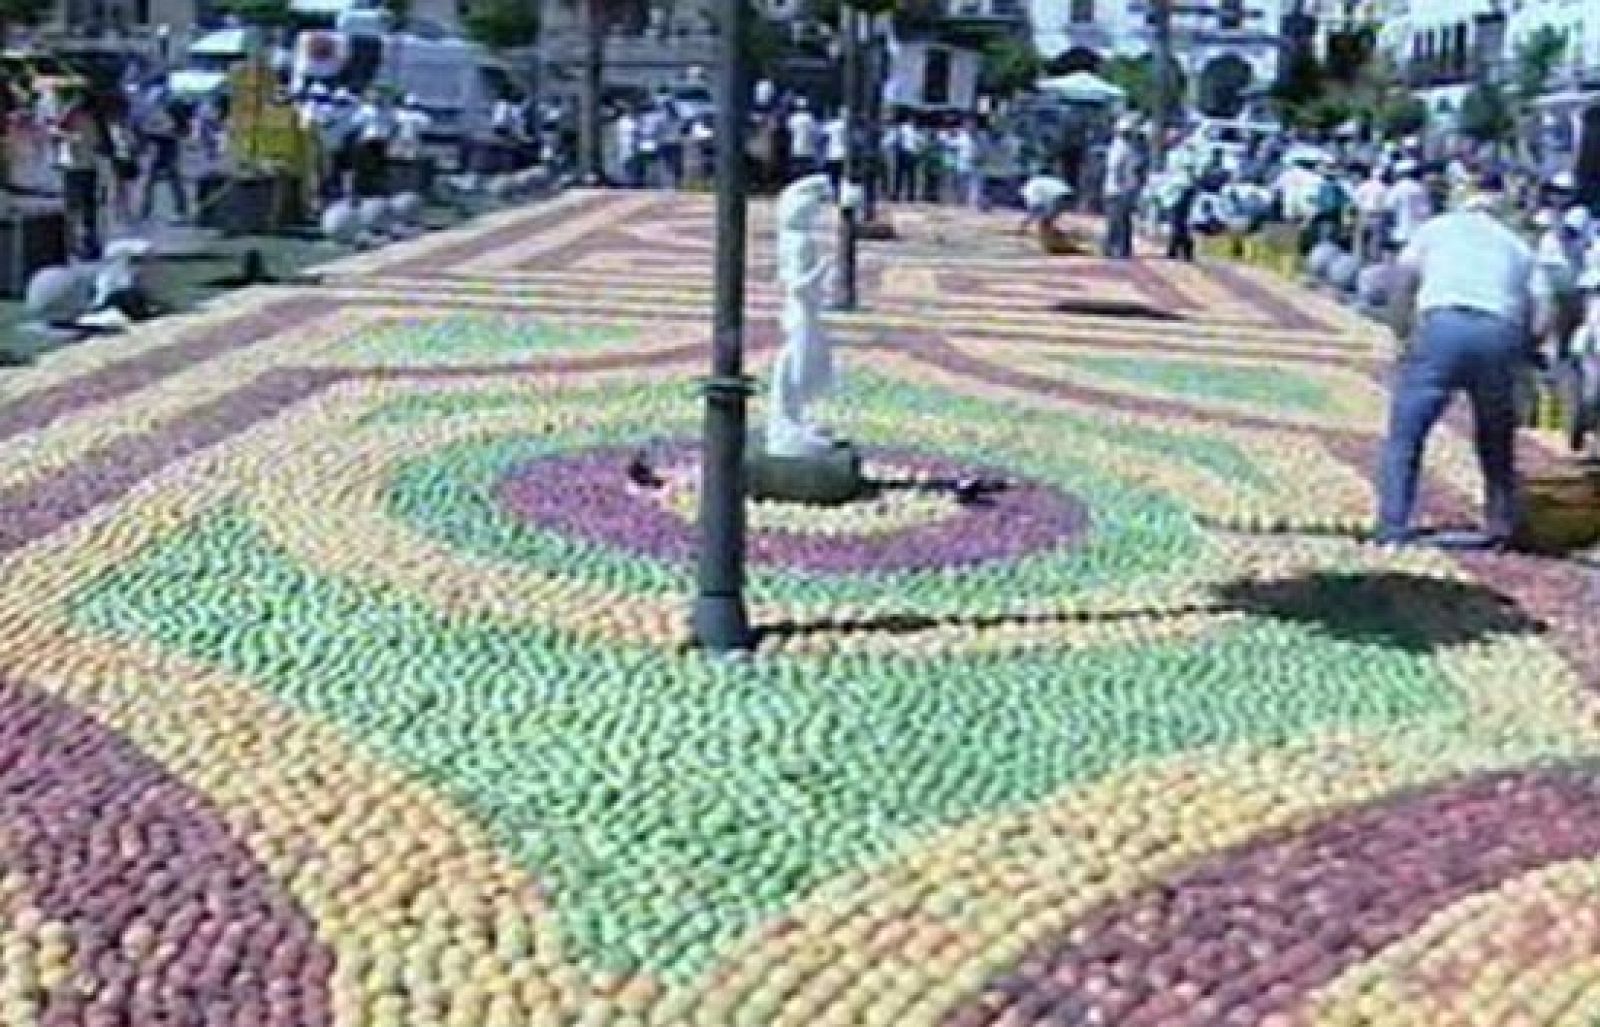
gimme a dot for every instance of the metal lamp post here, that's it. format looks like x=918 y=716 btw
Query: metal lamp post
x=872 y=114
x=1161 y=11
x=721 y=623
x=849 y=27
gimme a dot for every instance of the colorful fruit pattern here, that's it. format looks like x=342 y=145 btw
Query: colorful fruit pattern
x=344 y=674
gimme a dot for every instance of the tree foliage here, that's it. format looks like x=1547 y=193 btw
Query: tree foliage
x=1009 y=66
x=1537 y=59
x=503 y=24
x=1301 y=84
x=266 y=13
x=1137 y=77
x=23 y=12
x=1349 y=55
x=1402 y=115
x=1486 y=114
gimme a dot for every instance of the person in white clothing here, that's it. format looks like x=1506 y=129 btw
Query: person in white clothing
x=802 y=140
x=1372 y=213
x=1559 y=257
x=1045 y=199
x=964 y=153
x=374 y=127
x=1296 y=190
x=1121 y=191
x=651 y=125
x=410 y=123
x=626 y=132
x=1409 y=204
x=908 y=146
x=1468 y=284
x=1581 y=376
x=505 y=117
x=835 y=141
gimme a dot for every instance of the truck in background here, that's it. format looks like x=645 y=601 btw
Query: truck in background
x=455 y=80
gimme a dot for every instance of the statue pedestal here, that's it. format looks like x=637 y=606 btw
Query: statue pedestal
x=881 y=230
x=826 y=479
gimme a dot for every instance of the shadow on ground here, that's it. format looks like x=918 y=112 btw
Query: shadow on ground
x=1411 y=612
x=1115 y=308
x=1408 y=612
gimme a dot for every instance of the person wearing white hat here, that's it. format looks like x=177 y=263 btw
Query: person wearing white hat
x=1045 y=199
x=1468 y=285
x=1582 y=373
x=1121 y=190
x=1372 y=213
x=410 y=122
x=1559 y=260
x=1409 y=204
x=802 y=140
x=374 y=125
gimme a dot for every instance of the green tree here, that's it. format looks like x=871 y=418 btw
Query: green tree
x=504 y=24
x=1300 y=85
x=1009 y=66
x=1486 y=114
x=21 y=12
x=265 y=13
x=1402 y=115
x=1326 y=113
x=1350 y=53
x=1137 y=77
x=1537 y=59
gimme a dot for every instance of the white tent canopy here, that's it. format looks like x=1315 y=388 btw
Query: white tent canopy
x=1083 y=87
x=224 y=43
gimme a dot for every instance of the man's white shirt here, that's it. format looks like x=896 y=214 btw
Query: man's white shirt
x=802 y=134
x=1470 y=260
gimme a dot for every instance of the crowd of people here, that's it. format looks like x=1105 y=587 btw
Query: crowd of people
x=108 y=151
x=918 y=157
x=113 y=153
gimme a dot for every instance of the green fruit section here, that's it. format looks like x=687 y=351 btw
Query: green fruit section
x=1273 y=388
x=673 y=805
x=1136 y=533
x=480 y=338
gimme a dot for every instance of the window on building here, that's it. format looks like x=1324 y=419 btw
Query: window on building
x=936 y=77
x=1082 y=12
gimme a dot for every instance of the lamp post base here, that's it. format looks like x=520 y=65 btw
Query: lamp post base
x=880 y=229
x=721 y=624
x=828 y=478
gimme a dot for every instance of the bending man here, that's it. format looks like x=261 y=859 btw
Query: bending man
x=1467 y=307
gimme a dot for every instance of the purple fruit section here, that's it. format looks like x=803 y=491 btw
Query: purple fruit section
x=30 y=512
x=171 y=920
x=39 y=409
x=1280 y=312
x=587 y=495
x=936 y=352
x=1253 y=931
x=482 y=243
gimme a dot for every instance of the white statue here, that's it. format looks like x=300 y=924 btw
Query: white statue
x=804 y=369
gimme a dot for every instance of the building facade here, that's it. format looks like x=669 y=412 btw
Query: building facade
x=657 y=43
x=1445 y=46
x=1226 y=49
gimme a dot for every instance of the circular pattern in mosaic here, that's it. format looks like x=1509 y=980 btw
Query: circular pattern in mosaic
x=939 y=513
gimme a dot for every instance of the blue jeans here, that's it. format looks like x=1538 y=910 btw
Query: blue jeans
x=1119 y=226
x=1456 y=350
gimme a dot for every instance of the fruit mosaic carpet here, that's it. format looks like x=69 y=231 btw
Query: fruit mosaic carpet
x=343 y=678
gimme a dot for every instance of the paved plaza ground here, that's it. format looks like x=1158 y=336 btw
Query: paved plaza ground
x=343 y=674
